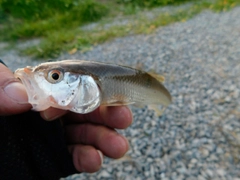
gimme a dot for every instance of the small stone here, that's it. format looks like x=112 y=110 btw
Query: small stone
x=201 y=177
x=104 y=174
x=219 y=150
x=193 y=161
x=128 y=168
x=205 y=153
x=210 y=173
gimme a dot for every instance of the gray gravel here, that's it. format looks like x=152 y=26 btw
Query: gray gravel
x=198 y=137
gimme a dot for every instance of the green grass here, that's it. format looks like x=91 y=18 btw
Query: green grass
x=59 y=29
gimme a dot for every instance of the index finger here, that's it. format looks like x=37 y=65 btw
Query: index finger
x=119 y=117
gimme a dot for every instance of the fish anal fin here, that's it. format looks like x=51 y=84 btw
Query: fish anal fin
x=158 y=109
x=139 y=105
x=120 y=103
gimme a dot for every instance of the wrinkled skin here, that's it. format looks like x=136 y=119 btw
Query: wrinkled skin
x=89 y=135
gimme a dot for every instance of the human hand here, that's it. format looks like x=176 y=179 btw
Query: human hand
x=90 y=135
x=12 y=93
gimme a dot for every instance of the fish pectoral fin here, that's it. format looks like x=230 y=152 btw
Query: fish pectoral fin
x=158 y=109
x=52 y=100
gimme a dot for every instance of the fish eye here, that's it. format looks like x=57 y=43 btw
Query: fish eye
x=55 y=76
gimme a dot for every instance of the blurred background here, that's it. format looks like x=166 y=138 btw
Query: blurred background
x=62 y=25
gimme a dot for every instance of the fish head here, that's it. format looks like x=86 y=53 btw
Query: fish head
x=51 y=85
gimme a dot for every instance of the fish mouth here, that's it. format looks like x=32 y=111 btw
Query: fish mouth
x=36 y=96
x=25 y=75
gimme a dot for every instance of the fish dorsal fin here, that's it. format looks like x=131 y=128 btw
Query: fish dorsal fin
x=159 y=77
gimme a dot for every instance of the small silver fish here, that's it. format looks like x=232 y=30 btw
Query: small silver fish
x=82 y=86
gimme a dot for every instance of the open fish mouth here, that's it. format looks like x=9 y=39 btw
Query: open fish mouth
x=25 y=76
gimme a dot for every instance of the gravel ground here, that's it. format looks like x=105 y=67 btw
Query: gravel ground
x=198 y=137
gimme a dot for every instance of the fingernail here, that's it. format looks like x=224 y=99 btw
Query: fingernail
x=101 y=156
x=52 y=114
x=125 y=143
x=126 y=113
x=17 y=92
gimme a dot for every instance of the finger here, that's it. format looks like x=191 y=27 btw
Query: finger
x=105 y=139
x=86 y=158
x=52 y=113
x=12 y=93
x=119 y=117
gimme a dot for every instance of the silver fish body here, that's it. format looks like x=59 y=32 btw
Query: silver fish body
x=82 y=86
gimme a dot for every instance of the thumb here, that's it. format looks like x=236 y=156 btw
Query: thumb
x=13 y=96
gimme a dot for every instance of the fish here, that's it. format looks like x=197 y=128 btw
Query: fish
x=82 y=86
